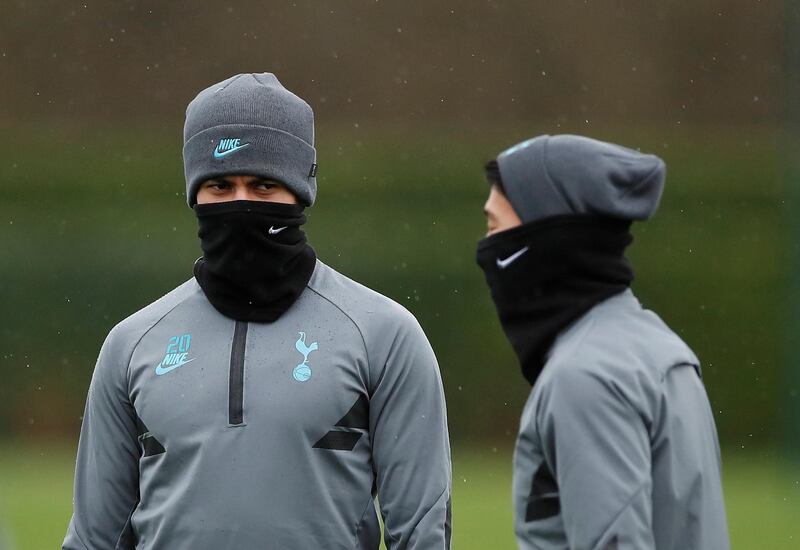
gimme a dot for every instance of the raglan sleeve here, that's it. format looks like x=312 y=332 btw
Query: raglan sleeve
x=595 y=436
x=410 y=443
x=106 y=473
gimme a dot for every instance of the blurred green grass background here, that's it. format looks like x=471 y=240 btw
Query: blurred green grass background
x=762 y=494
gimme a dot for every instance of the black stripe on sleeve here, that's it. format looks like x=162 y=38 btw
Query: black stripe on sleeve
x=151 y=446
x=338 y=441
x=543 y=501
x=358 y=415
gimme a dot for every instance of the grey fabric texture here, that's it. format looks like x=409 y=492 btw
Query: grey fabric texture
x=617 y=445
x=250 y=124
x=343 y=365
x=558 y=175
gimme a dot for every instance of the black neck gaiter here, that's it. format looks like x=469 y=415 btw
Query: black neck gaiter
x=546 y=274
x=256 y=261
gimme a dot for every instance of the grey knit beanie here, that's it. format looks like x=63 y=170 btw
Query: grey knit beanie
x=250 y=124
x=556 y=175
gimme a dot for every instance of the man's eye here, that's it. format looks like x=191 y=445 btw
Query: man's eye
x=265 y=186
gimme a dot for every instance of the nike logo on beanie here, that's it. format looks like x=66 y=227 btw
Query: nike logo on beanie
x=227 y=146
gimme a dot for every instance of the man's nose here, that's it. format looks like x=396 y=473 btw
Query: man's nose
x=242 y=193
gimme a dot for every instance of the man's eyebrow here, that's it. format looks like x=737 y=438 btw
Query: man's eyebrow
x=267 y=181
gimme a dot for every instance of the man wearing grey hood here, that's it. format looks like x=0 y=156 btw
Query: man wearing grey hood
x=266 y=402
x=617 y=447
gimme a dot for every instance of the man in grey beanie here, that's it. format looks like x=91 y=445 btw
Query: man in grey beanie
x=266 y=402
x=617 y=447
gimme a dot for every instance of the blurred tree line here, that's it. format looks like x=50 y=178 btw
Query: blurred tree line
x=94 y=230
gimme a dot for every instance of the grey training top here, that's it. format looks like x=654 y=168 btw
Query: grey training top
x=204 y=432
x=617 y=446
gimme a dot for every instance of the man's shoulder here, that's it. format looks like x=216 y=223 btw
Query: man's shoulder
x=133 y=327
x=364 y=306
x=619 y=339
x=390 y=333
